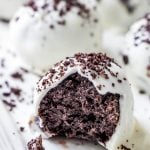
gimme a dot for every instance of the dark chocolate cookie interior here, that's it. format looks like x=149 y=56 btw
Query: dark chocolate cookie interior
x=75 y=109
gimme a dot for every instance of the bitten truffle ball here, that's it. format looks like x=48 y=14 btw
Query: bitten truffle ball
x=87 y=97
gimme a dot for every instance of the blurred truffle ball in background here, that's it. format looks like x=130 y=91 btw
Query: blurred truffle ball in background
x=44 y=32
x=137 y=53
x=116 y=18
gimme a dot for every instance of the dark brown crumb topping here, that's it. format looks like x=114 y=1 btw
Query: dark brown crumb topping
x=142 y=91
x=74 y=109
x=35 y=144
x=125 y=59
x=94 y=64
x=142 y=36
x=54 y=6
x=123 y=147
x=143 y=33
x=83 y=11
x=22 y=129
x=17 y=75
x=4 y=20
x=10 y=85
x=32 y=4
x=10 y=104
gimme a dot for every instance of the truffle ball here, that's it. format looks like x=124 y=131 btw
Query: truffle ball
x=137 y=53
x=87 y=97
x=46 y=31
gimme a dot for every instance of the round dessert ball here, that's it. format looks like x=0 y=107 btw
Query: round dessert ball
x=87 y=97
x=44 y=32
x=122 y=12
x=137 y=53
x=9 y=7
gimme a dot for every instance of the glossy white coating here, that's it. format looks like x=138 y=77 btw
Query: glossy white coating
x=44 y=36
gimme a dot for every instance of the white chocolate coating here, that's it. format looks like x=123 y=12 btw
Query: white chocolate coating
x=138 y=53
x=114 y=73
x=41 y=41
x=9 y=7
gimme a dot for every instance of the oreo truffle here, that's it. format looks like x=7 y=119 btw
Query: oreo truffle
x=137 y=53
x=51 y=30
x=86 y=97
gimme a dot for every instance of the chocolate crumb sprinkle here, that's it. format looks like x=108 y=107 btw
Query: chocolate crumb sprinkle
x=2 y=63
x=123 y=147
x=93 y=64
x=9 y=104
x=128 y=6
x=83 y=11
x=17 y=75
x=36 y=144
x=4 y=20
x=125 y=59
x=6 y=94
x=16 y=91
x=142 y=92
x=143 y=33
x=22 y=129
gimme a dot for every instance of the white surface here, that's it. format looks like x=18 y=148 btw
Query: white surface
x=9 y=7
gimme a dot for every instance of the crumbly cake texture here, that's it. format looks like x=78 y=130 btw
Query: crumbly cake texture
x=85 y=97
x=137 y=52
x=74 y=109
x=35 y=144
